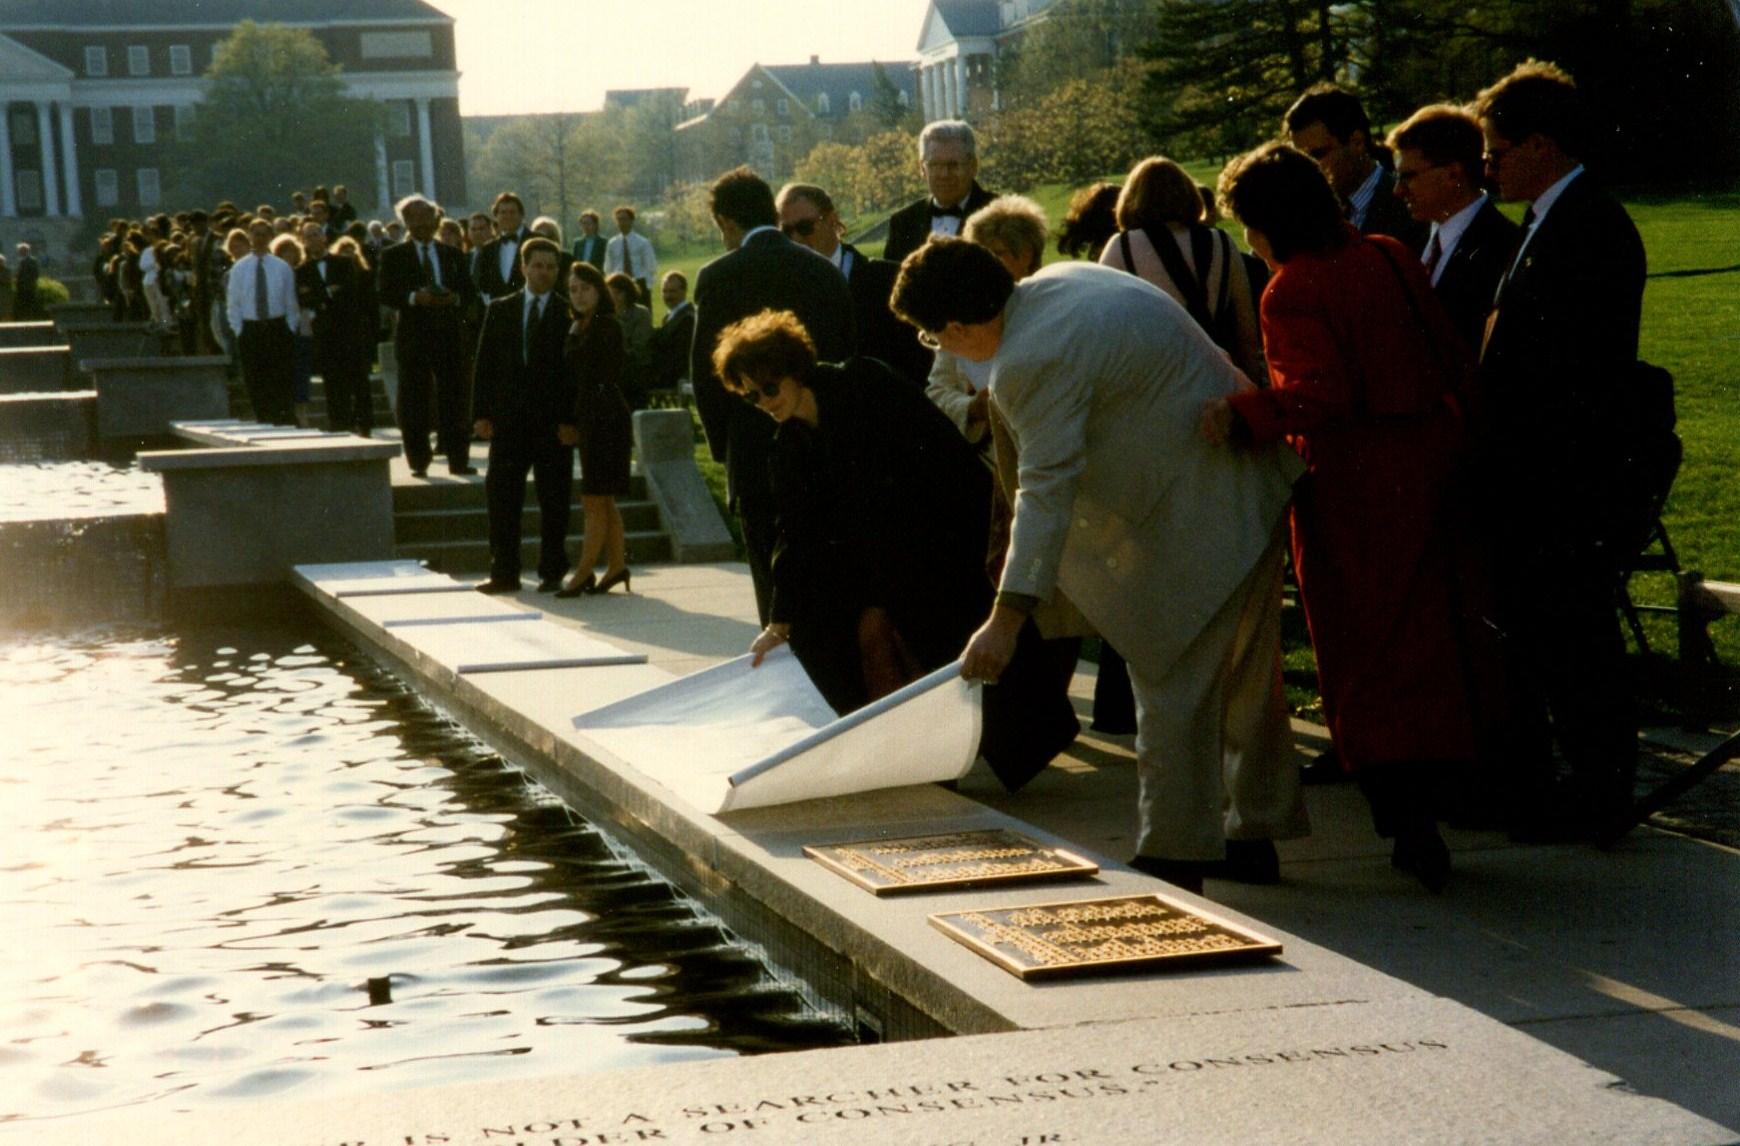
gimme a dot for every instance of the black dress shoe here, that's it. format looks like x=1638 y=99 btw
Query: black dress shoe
x=419 y=471
x=549 y=584
x=461 y=471
x=1422 y=852
x=1250 y=861
x=1324 y=768
x=494 y=586
x=1186 y=874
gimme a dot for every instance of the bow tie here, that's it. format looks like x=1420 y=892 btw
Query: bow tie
x=951 y=212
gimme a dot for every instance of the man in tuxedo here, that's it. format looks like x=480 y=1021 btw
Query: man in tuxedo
x=589 y=247
x=948 y=156
x=264 y=314
x=761 y=270
x=631 y=254
x=671 y=341
x=1556 y=370
x=807 y=216
x=328 y=288
x=1438 y=176
x=1329 y=124
x=524 y=398
x=498 y=261
x=425 y=282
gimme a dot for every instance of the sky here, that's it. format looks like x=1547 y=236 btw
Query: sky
x=561 y=55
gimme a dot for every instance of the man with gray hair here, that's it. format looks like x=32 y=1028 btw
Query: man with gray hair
x=948 y=156
x=424 y=281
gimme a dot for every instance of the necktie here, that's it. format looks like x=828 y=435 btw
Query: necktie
x=1527 y=227
x=428 y=272
x=627 y=258
x=261 y=312
x=1434 y=252
x=951 y=212
x=533 y=317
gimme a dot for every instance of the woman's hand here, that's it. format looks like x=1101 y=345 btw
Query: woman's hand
x=989 y=650
x=1217 y=421
x=767 y=640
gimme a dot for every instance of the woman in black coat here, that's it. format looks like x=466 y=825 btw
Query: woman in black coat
x=882 y=507
x=597 y=357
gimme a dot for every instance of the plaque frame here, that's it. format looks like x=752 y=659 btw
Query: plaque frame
x=849 y=861
x=958 y=925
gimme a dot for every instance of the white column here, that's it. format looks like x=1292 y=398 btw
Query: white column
x=952 y=79
x=50 y=169
x=8 y=207
x=428 y=146
x=927 y=87
x=70 y=148
x=383 y=177
x=961 y=86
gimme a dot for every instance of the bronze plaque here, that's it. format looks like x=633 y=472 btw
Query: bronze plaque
x=1127 y=932
x=957 y=859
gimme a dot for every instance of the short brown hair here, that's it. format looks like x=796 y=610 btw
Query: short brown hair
x=822 y=201
x=1336 y=108
x=744 y=198
x=1158 y=192
x=951 y=280
x=537 y=244
x=624 y=209
x=762 y=349
x=1445 y=134
x=1282 y=192
x=1537 y=98
x=506 y=197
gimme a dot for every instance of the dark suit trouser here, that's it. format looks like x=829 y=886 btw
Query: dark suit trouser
x=511 y=456
x=431 y=383
x=760 y=531
x=349 y=405
x=1029 y=717
x=268 y=353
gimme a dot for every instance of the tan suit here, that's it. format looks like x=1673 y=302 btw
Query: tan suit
x=1169 y=546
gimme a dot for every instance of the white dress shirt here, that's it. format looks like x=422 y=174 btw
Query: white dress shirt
x=280 y=291
x=510 y=253
x=640 y=250
x=1448 y=233
x=1360 y=200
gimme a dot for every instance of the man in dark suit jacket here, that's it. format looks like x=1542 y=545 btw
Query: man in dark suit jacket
x=524 y=397
x=1438 y=176
x=674 y=337
x=948 y=156
x=329 y=288
x=761 y=270
x=589 y=247
x=1558 y=362
x=807 y=216
x=498 y=262
x=425 y=282
x=24 y=279
x=1330 y=125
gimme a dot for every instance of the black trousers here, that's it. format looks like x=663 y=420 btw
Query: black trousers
x=1029 y=717
x=349 y=405
x=511 y=456
x=760 y=531
x=433 y=389
x=267 y=351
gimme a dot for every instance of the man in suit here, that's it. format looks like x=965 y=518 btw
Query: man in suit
x=1170 y=547
x=199 y=279
x=498 y=261
x=671 y=341
x=1438 y=176
x=524 y=398
x=24 y=279
x=948 y=158
x=589 y=247
x=425 y=282
x=1558 y=360
x=631 y=254
x=265 y=314
x=328 y=288
x=343 y=210
x=1329 y=124
x=807 y=216
x=761 y=270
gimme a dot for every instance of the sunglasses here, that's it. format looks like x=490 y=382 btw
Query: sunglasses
x=759 y=392
x=802 y=229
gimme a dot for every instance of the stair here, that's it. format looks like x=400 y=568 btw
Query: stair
x=383 y=410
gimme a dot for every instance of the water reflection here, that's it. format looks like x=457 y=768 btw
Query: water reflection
x=77 y=489
x=242 y=865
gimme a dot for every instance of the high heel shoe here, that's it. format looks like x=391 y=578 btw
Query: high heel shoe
x=572 y=588
x=610 y=579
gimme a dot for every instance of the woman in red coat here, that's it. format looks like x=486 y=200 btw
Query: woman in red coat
x=1370 y=384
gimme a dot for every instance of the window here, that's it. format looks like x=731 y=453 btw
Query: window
x=108 y=187
x=150 y=189
x=404 y=178
x=397 y=46
x=758 y=107
x=903 y=97
x=96 y=60
x=184 y=123
x=823 y=106
x=29 y=190
x=758 y=133
x=23 y=128
x=144 y=125
x=785 y=133
x=736 y=135
x=102 y=125
x=855 y=102
x=138 y=60
x=399 y=118
x=783 y=107
x=180 y=60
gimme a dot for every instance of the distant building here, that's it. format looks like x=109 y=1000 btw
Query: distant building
x=90 y=88
x=958 y=46
x=776 y=113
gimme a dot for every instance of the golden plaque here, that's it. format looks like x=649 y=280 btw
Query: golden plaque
x=957 y=859
x=1128 y=932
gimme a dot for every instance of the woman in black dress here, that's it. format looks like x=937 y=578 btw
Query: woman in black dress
x=596 y=355
x=882 y=508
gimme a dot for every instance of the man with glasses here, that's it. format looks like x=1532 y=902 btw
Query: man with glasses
x=761 y=270
x=948 y=154
x=1438 y=176
x=1330 y=125
x=807 y=217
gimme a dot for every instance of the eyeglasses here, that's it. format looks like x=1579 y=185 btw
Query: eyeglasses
x=800 y=229
x=944 y=166
x=1405 y=177
x=759 y=392
x=929 y=340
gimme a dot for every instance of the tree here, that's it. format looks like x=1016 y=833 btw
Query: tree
x=1087 y=128
x=276 y=118
x=1077 y=38
x=891 y=113
x=556 y=163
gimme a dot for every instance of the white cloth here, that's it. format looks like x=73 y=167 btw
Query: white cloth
x=640 y=249
x=509 y=254
x=280 y=291
x=1448 y=233
x=952 y=384
x=148 y=266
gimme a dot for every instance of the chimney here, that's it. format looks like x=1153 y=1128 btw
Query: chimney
x=814 y=60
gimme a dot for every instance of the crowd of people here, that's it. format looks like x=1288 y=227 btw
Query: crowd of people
x=1434 y=414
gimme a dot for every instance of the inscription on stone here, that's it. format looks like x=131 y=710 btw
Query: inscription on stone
x=955 y=859
x=1095 y=935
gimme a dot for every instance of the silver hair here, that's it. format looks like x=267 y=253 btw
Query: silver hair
x=412 y=200
x=1015 y=221
x=543 y=220
x=949 y=131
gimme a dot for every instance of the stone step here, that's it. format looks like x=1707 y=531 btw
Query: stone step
x=471 y=523
x=644 y=548
x=470 y=495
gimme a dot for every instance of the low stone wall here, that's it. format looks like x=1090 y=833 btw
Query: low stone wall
x=91 y=340
x=82 y=313
x=36 y=369
x=145 y=397
x=29 y=334
x=664 y=442
x=47 y=427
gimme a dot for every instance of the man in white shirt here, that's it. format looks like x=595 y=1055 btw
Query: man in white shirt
x=263 y=312
x=631 y=253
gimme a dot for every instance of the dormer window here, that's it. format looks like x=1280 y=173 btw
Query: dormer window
x=855 y=102
x=96 y=60
x=823 y=105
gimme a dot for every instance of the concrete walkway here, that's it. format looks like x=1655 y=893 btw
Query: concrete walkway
x=1628 y=959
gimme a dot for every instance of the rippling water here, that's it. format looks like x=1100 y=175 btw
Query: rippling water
x=236 y=865
x=77 y=489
